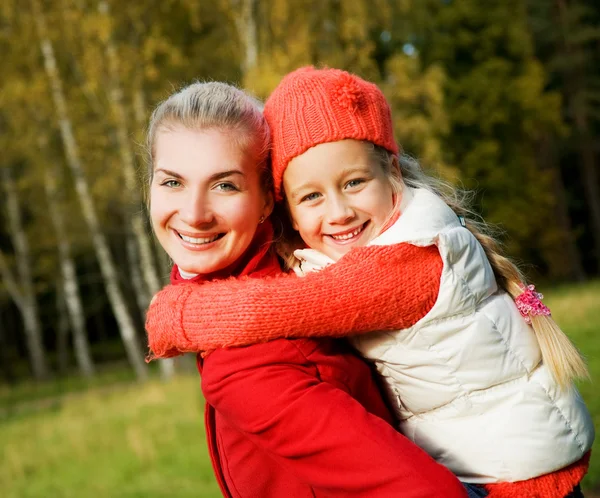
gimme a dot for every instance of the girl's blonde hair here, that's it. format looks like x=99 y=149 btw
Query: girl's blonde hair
x=215 y=105
x=562 y=358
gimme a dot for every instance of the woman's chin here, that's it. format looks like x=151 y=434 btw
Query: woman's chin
x=197 y=268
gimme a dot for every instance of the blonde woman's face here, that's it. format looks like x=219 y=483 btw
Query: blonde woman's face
x=338 y=197
x=206 y=199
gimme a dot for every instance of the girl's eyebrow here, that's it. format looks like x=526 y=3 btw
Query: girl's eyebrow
x=354 y=169
x=345 y=172
x=302 y=188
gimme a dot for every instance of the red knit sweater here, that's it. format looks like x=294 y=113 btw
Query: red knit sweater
x=371 y=288
x=353 y=296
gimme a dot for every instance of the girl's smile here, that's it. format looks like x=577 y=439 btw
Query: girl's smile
x=349 y=236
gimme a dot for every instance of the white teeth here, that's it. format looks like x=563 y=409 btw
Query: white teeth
x=347 y=236
x=199 y=240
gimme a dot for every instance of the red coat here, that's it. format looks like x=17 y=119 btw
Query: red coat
x=304 y=418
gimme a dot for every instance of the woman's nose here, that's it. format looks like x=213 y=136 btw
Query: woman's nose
x=196 y=209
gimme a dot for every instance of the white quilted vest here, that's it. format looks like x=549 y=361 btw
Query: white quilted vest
x=466 y=381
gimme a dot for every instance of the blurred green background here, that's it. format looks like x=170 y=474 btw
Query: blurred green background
x=502 y=97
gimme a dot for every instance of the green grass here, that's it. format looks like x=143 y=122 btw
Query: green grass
x=577 y=309
x=112 y=437
x=123 y=441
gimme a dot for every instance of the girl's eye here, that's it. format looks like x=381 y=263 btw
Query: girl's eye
x=310 y=197
x=171 y=183
x=355 y=183
x=226 y=187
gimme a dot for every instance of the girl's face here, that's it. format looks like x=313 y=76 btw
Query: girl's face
x=206 y=199
x=338 y=197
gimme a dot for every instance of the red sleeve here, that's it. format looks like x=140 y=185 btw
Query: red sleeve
x=371 y=288
x=316 y=431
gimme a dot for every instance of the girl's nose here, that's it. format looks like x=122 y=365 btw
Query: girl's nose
x=339 y=211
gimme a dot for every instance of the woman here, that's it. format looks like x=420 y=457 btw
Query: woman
x=287 y=418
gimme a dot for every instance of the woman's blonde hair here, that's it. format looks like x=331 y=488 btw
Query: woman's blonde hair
x=215 y=105
x=562 y=358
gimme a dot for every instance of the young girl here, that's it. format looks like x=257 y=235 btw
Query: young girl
x=293 y=418
x=476 y=370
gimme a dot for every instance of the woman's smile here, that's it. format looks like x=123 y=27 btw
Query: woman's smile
x=198 y=241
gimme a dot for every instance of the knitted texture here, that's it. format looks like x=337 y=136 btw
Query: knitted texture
x=314 y=106
x=371 y=288
x=555 y=485
x=259 y=261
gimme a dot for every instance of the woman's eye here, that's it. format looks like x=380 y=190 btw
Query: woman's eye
x=310 y=197
x=226 y=187
x=171 y=183
x=355 y=183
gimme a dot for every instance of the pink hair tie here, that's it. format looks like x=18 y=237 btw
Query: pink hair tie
x=529 y=303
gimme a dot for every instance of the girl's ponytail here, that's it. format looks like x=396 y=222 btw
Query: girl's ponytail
x=562 y=358
x=558 y=353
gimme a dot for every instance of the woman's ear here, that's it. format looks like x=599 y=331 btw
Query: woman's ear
x=269 y=203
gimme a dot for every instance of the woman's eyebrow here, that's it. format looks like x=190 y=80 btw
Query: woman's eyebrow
x=167 y=172
x=216 y=176
x=225 y=174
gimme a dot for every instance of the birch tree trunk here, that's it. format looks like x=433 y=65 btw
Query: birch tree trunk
x=62 y=330
x=70 y=285
x=23 y=293
x=245 y=23
x=141 y=119
x=105 y=259
x=115 y=95
x=5 y=362
x=141 y=293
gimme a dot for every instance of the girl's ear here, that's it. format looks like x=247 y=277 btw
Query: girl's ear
x=396 y=167
x=289 y=214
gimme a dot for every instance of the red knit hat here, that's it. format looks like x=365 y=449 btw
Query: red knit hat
x=314 y=106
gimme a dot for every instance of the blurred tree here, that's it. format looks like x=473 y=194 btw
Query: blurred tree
x=21 y=286
x=498 y=111
x=62 y=331
x=107 y=265
x=68 y=292
x=135 y=216
x=418 y=111
x=567 y=36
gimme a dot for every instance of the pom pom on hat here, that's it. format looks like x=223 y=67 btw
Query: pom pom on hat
x=313 y=106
